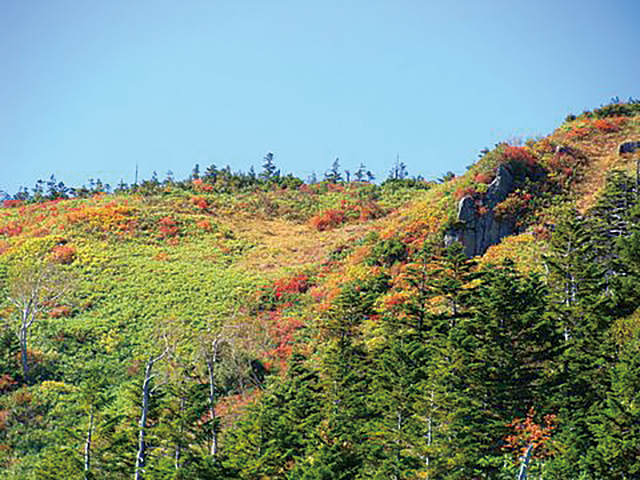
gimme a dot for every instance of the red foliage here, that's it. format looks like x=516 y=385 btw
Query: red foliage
x=369 y=211
x=519 y=155
x=328 y=219
x=168 y=227
x=12 y=203
x=462 y=192
x=63 y=254
x=483 y=177
x=200 y=186
x=609 y=125
x=12 y=229
x=578 y=133
x=282 y=332
x=293 y=285
x=200 y=202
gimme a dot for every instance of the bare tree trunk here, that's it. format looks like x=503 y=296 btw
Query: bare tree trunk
x=146 y=394
x=87 y=446
x=525 y=463
x=22 y=336
x=211 y=359
x=178 y=443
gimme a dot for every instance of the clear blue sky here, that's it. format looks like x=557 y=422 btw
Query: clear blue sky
x=88 y=88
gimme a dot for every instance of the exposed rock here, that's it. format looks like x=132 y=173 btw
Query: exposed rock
x=477 y=232
x=628 y=147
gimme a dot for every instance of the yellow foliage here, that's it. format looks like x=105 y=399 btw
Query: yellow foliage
x=524 y=250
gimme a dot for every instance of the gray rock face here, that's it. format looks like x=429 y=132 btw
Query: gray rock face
x=478 y=232
x=628 y=147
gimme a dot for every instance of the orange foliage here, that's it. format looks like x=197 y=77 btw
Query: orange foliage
x=528 y=433
x=328 y=219
x=110 y=217
x=4 y=415
x=6 y=382
x=205 y=225
x=60 y=311
x=63 y=254
x=200 y=186
x=231 y=407
x=609 y=125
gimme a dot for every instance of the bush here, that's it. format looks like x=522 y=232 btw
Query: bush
x=327 y=219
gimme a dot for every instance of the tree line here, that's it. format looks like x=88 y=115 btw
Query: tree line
x=222 y=178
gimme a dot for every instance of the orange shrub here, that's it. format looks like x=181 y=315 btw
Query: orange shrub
x=327 y=219
x=609 y=125
x=578 y=133
x=205 y=225
x=61 y=311
x=63 y=254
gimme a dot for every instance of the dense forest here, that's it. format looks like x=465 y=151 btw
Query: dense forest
x=257 y=326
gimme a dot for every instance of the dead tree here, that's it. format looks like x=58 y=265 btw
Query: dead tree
x=142 y=425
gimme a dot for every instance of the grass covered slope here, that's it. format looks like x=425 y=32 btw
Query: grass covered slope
x=324 y=331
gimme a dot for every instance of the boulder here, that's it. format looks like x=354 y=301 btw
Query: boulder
x=628 y=147
x=478 y=232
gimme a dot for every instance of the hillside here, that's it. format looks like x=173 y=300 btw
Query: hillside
x=226 y=326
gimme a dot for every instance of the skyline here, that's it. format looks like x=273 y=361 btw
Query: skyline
x=93 y=89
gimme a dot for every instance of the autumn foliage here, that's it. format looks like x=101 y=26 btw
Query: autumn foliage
x=528 y=433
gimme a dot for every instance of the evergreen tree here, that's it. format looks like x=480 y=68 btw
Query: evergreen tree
x=333 y=175
x=506 y=346
x=579 y=306
x=268 y=167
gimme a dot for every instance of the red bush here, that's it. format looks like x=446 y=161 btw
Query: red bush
x=12 y=229
x=200 y=202
x=168 y=227
x=462 y=192
x=578 y=133
x=519 y=155
x=328 y=219
x=609 y=125
x=12 y=203
x=483 y=177
x=295 y=284
x=199 y=185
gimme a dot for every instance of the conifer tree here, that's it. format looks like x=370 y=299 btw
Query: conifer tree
x=506 y=346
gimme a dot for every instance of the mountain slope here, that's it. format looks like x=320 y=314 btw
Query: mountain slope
x=285 y=330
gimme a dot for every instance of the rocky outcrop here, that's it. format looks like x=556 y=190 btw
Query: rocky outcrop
x=628 y=147
x=477 y=232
